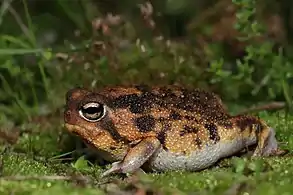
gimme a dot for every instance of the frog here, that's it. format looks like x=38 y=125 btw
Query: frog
x=162 y=128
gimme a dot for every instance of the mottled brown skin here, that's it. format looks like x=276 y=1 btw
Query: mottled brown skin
x=140 y=119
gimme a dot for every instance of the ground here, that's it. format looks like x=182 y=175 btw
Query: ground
x=36 y=163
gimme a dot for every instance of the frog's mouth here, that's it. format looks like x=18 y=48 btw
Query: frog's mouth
x=69 y=127
x=82 y=132
x=92 y=142
x=74 y=129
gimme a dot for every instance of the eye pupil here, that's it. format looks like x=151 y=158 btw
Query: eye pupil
x=92 y=111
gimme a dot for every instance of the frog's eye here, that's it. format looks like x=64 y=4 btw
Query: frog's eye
x=92 y=112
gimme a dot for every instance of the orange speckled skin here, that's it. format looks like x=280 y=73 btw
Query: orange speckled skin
x=157 y=126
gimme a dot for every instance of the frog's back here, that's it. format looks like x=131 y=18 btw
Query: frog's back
x=144 y=99
x=174 y=114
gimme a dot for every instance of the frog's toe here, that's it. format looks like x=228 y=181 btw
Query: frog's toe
x=116 y=168
x=281 y=152
x=268 y=145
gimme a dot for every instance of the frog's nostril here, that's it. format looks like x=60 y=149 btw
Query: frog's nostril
x=67 y=116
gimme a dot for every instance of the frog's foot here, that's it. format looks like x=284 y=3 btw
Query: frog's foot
x=267 y=143
x=135 y=157
x=116 y=168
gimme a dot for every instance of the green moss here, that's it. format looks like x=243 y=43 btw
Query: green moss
x=44 y=187
x=15 y=164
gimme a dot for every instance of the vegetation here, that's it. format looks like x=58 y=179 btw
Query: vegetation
x=239 y=49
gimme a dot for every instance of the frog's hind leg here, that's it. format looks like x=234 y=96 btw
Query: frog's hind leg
x=267 y=143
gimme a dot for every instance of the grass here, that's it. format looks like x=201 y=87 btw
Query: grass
x=32 y=165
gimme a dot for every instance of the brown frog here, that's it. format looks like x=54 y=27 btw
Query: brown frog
x=162 y=128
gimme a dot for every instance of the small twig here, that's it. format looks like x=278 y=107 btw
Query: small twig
x=265 y=107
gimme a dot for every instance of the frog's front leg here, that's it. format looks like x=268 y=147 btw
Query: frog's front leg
x=267 y=143
x=135 y=157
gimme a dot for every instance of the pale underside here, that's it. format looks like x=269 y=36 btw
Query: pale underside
x=163 y=160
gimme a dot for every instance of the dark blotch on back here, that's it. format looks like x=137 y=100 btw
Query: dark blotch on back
x=145 y=123
x=109 y=126
x=138 y=107
x=175 y=115
x=124 y=101
x=245 y=122
x=191 y=118
x=137 y=103
x=166 y=97
x=162 y=134
x=188 y=129
x=198 y=142
x=213 y=131
x=133 y=101
x=207 y=104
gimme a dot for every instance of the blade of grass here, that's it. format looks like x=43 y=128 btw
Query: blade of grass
x=14 y=96
x=287 y=95
x=78 y=21
x=44 y=78
x=4 y=8
x=20 y=51
x=30 y=24
x=34 y=93
x=60 y=156
x=19 y=21
x=16 y=41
